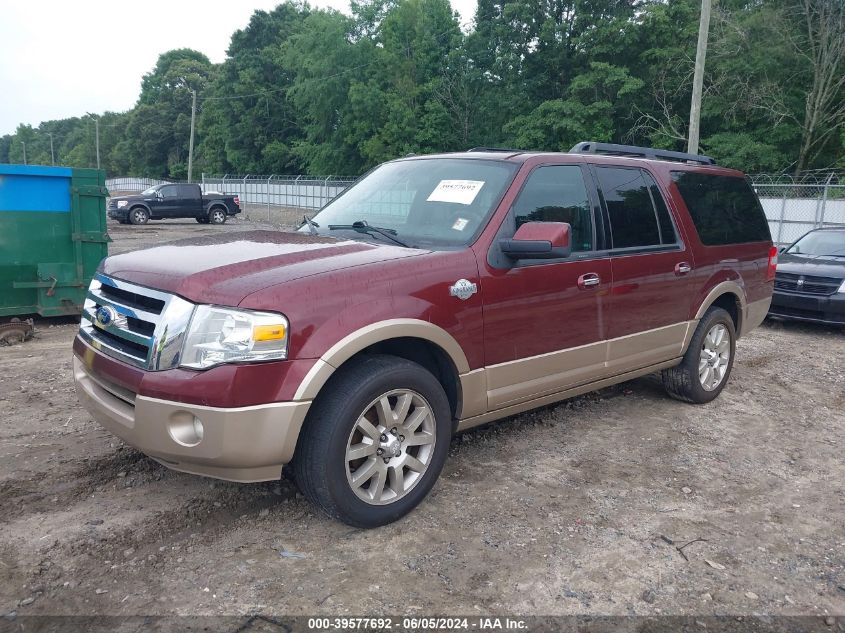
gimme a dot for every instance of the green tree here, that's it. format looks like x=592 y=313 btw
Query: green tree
x=248 y=124
x=596 y=102
x=324 y=60
x=306 y=90
x=5 y=146
x=396 y=109
x=158 y=128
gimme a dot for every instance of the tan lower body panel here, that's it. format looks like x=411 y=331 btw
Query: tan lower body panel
x=529 y=378
x=755 y=313
x=238 y=444
x=533 y=403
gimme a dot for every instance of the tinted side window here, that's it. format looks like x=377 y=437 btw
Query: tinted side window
x=633 y=221
x=664 y=219
x=171 y=191
x=557 y=193
x=724 y=209
x=188 y=191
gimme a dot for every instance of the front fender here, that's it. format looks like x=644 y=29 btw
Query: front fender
x=371 y=334
x=335 y=315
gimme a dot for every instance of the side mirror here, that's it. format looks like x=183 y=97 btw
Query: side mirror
x=539 y=240
x=158 y=195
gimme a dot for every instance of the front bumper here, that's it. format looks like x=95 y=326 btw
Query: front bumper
x=242 y=444
x=828 y=309
x=118 y=214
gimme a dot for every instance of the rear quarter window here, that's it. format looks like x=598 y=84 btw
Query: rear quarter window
x=724 y=209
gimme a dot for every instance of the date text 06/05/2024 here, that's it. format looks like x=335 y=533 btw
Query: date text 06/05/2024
x=417 y=623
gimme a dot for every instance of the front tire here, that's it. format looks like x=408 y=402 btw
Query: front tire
x=217 y=216
x=202 y=220
x=375 y=441
x=706 y=366
x=139 y=215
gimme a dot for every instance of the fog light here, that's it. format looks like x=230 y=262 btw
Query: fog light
x=186 y=429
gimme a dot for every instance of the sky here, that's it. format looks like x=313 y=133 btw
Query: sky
x=60 y=58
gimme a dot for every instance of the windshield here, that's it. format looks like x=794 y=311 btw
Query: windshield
x=150 y=191
x=820 y=243
x=436 y=202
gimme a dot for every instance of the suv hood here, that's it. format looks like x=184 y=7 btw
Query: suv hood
x=135 y=196
x=225 y=268
x=819 y=265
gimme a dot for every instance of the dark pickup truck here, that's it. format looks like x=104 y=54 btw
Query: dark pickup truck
x=163 y=202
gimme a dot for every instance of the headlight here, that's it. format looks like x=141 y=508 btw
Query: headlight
x=842 y=287
x=122 y=203
x=222 y=335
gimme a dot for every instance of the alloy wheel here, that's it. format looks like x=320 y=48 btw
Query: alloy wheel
x=390 y=447
x=715 y=357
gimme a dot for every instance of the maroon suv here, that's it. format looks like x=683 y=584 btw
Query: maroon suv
x=436 y=294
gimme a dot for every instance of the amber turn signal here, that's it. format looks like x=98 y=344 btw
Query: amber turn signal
x=268 y=332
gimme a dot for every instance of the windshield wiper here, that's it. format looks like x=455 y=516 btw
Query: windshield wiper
x=362 y=226
x=312 y=225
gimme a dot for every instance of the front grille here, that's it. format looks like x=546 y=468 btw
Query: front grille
x=807 y=284
x=141 y=326
x=132 y=299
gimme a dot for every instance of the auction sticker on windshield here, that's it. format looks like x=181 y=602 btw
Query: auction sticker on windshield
x=457 y=191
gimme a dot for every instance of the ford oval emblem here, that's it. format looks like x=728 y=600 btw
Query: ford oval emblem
x=106 y=315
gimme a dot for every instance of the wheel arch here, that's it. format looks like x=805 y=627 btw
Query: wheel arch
x=730 y=296
x=419 y=341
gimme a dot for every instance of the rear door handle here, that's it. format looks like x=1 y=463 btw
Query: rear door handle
x=588 y=280
x=682 y=268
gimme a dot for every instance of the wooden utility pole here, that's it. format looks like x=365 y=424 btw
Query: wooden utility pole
x=191 y=142
x=698 y=78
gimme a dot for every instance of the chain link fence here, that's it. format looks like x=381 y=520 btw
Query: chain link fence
x=132 y=184
x=794 y=209
x=271 y=198
x=278 y=199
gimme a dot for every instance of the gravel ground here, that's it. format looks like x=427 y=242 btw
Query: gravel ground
x=619 y=502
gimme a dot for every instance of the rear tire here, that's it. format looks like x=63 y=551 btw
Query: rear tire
x=217 y=216
x=706 y=366
x=375 y=418
x=139 y=215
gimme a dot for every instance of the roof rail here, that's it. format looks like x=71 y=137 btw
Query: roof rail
x=612 y=149
x=497 y=149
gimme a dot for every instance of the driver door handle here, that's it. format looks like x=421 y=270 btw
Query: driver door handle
x=682 y=268
x=588 y=280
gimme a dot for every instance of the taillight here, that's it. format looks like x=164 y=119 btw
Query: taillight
x=773 y=263
x=238 y=200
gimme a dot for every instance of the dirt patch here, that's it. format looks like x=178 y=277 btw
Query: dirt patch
x=578 y=508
